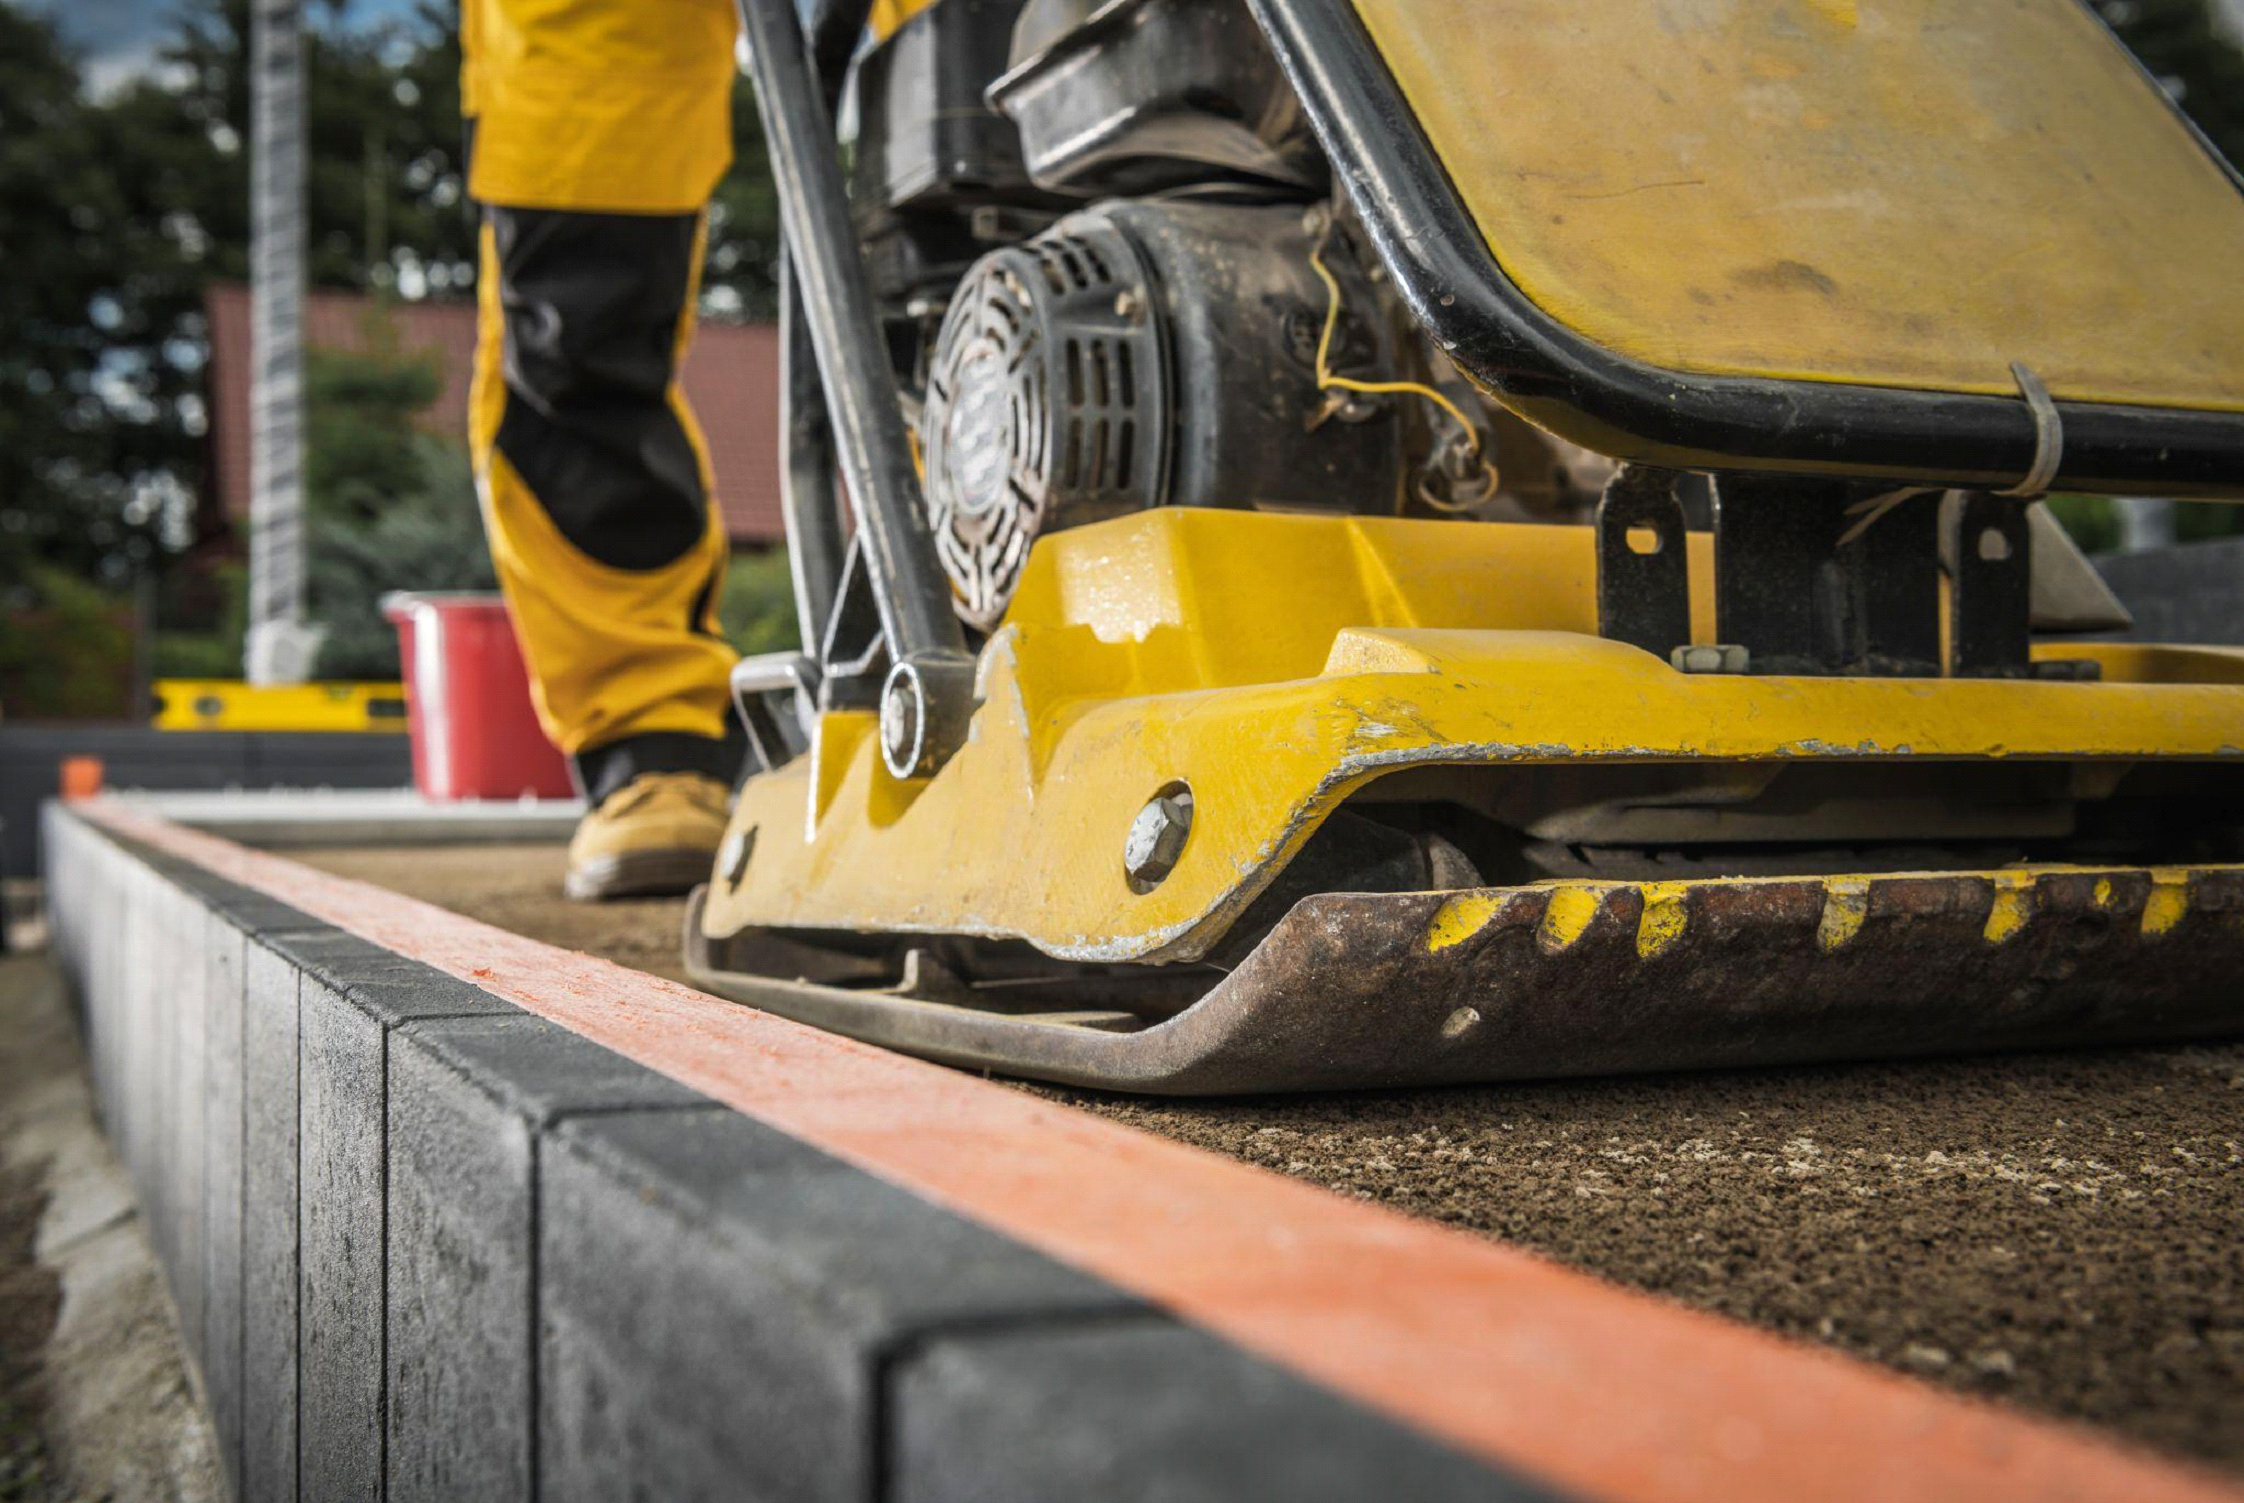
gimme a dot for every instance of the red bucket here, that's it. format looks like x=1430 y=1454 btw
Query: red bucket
x=467 y=697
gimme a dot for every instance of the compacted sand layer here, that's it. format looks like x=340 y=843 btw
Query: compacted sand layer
x=518 y=888
x=2062 y=1231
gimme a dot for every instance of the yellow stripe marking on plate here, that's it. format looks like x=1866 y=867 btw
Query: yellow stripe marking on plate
x=2013 y=906
x=2168 y=901
x=1666 y=915
x=2103 y=894
x=1846 y=900
x=1569 y=914
x=1462 y=917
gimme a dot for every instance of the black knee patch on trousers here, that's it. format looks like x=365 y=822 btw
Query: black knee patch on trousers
x=591 y=304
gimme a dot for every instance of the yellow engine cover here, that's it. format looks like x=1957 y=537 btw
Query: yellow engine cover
x=1900 y=193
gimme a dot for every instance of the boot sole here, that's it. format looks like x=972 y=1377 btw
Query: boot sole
x=638 y=874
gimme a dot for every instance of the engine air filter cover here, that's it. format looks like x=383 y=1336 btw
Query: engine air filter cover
x=1045 y=405
x=1144 y=354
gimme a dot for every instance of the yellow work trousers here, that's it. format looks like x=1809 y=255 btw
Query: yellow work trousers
x=598 y=130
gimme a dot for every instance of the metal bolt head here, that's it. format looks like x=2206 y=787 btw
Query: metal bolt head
x=899 y=722
x=1723 y=658
x=1156 y=840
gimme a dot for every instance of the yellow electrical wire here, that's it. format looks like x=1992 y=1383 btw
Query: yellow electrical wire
x=1326 y=380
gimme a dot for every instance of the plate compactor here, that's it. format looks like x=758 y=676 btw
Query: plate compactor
x=1401 y=541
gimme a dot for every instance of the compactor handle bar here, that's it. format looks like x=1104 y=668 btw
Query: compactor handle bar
x=927 y=697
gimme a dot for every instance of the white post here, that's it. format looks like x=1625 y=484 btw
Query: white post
x=2145 y=522
x=280 y=646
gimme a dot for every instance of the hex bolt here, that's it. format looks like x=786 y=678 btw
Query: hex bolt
x=1157 y=836
x=899 y=724
x=926 y=706
x=1724 y=658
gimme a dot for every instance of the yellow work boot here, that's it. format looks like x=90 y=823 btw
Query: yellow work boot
x=656 y=836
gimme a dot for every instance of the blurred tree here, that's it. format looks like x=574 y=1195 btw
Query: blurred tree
x=385 y=191
x=757 y=608
x=208 y=651
x=91 y=434
x=115 y=212
x=360 y=413
x=67 y=655
x=741 y=276
x=2198 y=64
x=390 y=506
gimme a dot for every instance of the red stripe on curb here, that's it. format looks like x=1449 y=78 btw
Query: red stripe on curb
x=1535 y=1367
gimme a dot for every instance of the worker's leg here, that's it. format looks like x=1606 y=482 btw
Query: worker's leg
x=596 y=487
x=600 y=129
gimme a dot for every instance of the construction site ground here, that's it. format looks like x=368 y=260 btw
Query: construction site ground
x=2054 y=1231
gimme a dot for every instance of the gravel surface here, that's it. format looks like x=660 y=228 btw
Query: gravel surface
x=518 y=888
x=2062 y=1231
x=2057 y=1230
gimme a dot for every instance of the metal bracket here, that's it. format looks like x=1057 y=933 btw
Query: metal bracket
x=1990 y=550
x=894 y=549
x=1643 y=566
x=1806 y=587
x=852 y=656
x=776 y=739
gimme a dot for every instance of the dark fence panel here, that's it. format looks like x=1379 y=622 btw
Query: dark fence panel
x=136 y=756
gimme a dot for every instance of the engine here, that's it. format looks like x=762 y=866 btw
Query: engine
x=1135 y=290
x=1151 y=353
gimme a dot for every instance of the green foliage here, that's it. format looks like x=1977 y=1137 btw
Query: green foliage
x=66 y=649
x=384 y=165
x=216 y=653
x=2093 y=521
x=91 y=419
x=740 y=277
x=2090 y=520
x=758 y=605
x=426 y=537
x=2192 y=59
x=360 y=409
x=389 y=507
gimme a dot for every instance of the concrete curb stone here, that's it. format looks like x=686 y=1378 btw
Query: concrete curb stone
x=270 y=1225
x=441 y=1247
x=1019 y=1416
x=469 y=1100
x=790 y=1276
x=219 y=1353
x=343 y=1083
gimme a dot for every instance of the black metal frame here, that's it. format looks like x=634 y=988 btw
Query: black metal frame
x=1797 y=586
x=1646 y=413
x=926 y=699
x=1643 y=598
x=1828 y=577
